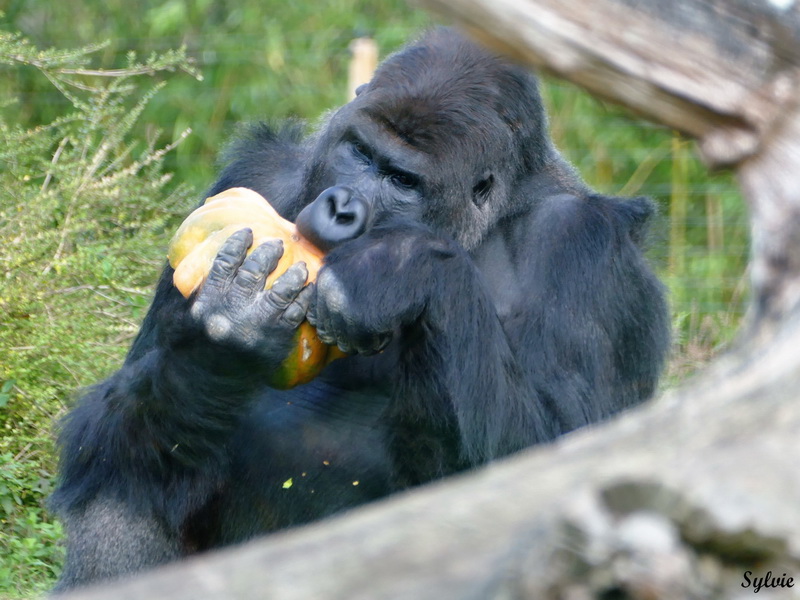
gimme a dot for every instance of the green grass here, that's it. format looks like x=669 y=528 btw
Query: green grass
x=84 y=214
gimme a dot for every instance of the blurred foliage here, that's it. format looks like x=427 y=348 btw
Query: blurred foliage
x=83 y=217
x=87 y=205
x=259 y=59
x=30 y=552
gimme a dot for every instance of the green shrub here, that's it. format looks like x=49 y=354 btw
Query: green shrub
x=30 y=553
x=83 y=214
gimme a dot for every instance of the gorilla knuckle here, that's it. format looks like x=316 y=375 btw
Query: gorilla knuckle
x=274 y=305
x=198 y=309
x=225 y=262
x=249 y=269
x=332 y=290
x=293 y=315
x=218 y=327
x=249 y=276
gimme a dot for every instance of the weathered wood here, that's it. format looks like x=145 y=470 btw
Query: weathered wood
x=720 y=71
x=680 y=498
x=677 y=499
x=771 y=183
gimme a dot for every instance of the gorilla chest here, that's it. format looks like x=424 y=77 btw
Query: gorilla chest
x=308 y=452
x=494 y=260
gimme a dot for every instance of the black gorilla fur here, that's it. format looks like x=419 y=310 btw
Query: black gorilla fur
x=492 y=302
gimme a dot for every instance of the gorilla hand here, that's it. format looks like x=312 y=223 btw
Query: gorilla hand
x=379 y=285
x=233 y=308
x=333 y=314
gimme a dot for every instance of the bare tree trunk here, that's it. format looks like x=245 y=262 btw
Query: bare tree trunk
x=696 y=495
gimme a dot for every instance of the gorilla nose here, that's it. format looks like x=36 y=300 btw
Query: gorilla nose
x=337 y=215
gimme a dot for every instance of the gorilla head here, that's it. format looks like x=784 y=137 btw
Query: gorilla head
x=442 y=134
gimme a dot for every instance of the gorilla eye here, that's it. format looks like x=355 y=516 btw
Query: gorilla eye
x=403 y=180
x=480 y=191
x=360 y=150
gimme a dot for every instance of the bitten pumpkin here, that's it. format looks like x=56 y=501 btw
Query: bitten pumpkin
x=198 y=240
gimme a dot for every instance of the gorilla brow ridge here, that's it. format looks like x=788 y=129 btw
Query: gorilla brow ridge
x=452 y=90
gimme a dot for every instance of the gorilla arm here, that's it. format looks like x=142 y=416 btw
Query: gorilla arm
x=153 y=437
x=457 y=372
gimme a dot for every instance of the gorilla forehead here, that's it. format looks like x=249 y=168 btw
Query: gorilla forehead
x=447 y=92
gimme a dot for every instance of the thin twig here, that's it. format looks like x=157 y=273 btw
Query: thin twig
x=53 y=162
x=143 y=70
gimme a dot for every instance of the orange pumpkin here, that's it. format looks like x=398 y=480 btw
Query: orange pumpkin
x=198 y=240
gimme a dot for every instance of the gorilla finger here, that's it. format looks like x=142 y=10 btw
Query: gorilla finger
x=365 y=344
x=339 y=329
x=331 y=308
x=295 y=313
x=269 y=252
x=255 y=268
x=229 y=259
x=311 y=312
x=330 y=287
x=326 y=337
x=321 y=322
x=288 y=286
x=321 y=317
x=346 y=347
x=305 y=297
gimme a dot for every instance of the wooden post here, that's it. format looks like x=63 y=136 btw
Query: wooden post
x=363 y=63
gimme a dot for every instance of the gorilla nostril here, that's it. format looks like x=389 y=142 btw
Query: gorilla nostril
x=345 y=218
x=337 y=215
x=330 y=204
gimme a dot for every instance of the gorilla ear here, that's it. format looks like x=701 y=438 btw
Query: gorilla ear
x=362 y=88
x=481 y=190
x=637 y=212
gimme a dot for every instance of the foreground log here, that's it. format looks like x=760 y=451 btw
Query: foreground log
x=678 y=500
x=696 y=495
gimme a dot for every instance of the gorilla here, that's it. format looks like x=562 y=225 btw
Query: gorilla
x=488 y=300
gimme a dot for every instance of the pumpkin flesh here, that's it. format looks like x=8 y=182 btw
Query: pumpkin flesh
x=198 y=240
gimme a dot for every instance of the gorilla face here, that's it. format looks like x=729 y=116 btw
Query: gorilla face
x=440 y=136
x=370 y=175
